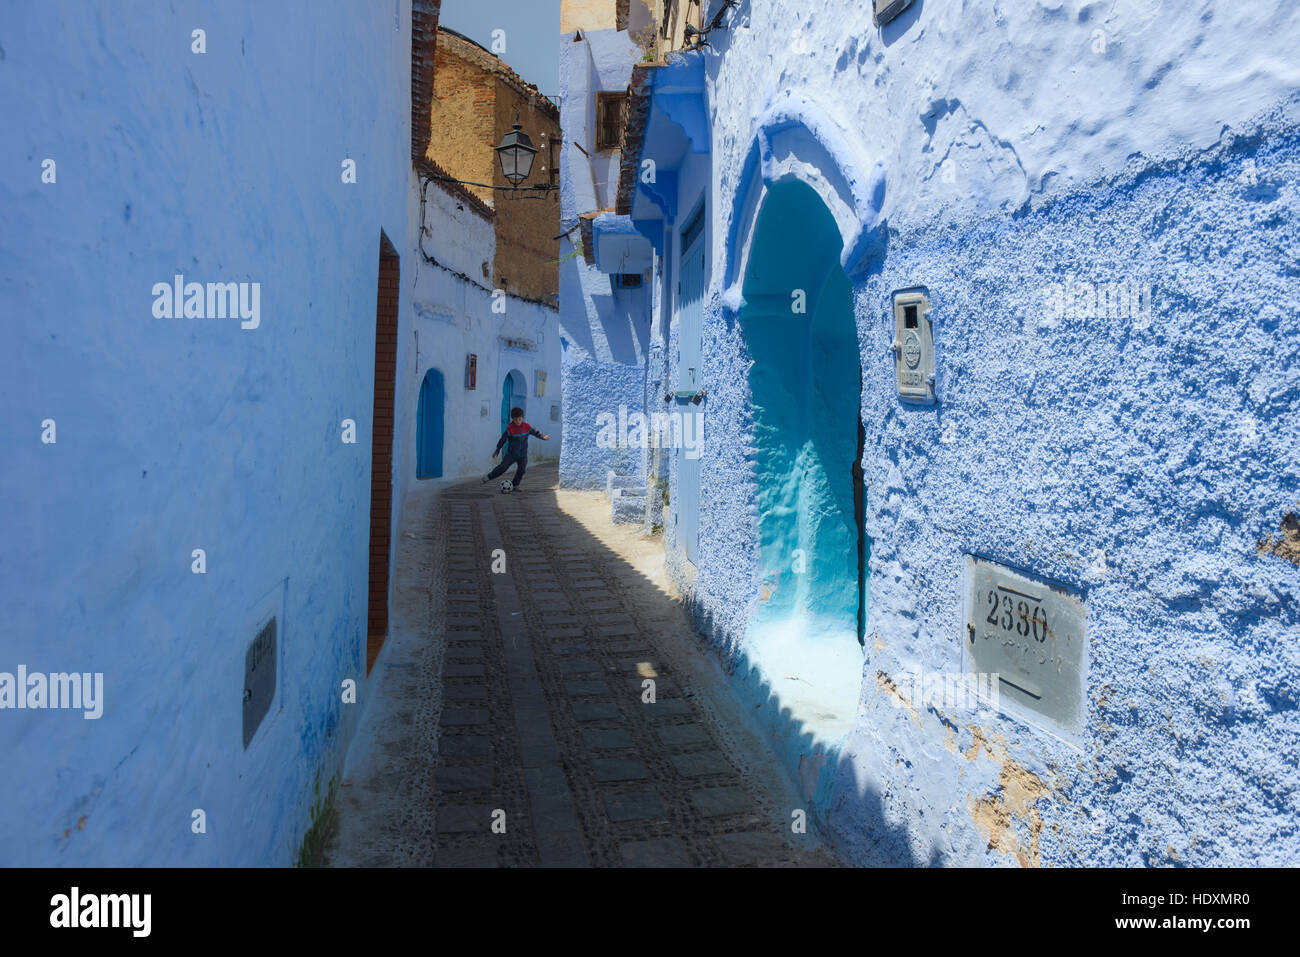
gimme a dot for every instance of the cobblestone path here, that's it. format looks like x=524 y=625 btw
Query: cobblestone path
x=546 y=752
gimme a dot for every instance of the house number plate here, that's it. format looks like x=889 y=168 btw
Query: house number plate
x=1032 y=635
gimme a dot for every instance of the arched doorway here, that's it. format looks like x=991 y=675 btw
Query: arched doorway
x=429 y=426
x=806 y=386
x=514 y=392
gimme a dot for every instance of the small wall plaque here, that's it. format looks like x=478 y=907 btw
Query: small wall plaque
x=1032 y=635
x=259 y=678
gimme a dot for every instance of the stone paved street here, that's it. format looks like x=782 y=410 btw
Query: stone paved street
x=524 y=696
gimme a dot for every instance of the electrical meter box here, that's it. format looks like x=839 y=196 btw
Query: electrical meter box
x=914 y=345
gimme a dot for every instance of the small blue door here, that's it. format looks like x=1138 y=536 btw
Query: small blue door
x=690 y=315
x=514 y=393
x=429 y=426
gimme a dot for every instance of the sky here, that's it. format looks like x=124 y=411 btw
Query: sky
x=532 y=34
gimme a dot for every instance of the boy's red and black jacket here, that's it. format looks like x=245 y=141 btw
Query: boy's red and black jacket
x=515 y=438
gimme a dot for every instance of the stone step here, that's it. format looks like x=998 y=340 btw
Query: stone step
x=628 y=510
x=614 y=481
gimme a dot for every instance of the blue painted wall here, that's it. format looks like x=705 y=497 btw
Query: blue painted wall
x=589 y=388
x=452 y=317
x=1147 y=461
x=178 y=434
x=606 y=328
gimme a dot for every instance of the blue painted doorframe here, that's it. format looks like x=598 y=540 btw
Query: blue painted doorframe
x=689 y=379
x=429 y=426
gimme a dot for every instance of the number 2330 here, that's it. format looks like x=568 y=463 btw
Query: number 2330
x=1016 y=617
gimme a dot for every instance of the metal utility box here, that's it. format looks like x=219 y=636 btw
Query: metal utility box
x=914 y=345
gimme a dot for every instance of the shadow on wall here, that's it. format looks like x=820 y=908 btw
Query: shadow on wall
x=823 y=775
x=595 y=316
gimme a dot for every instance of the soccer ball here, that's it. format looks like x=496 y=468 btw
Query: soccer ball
x=507 y=486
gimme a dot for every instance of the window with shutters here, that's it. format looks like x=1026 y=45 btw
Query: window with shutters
x=609 y=120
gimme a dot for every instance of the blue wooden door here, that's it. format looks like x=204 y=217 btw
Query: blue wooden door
x=514 y=392
x=690 y=316
x=429 y=426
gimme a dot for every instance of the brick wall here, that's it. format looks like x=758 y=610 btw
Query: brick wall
x=381 y=450
x=476 y=99
x=424 y=29
x=526 y=255
x=463 y=117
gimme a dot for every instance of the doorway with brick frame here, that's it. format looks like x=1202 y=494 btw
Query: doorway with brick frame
x=381 y=449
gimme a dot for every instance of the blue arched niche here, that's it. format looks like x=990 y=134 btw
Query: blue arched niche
x=806 y=382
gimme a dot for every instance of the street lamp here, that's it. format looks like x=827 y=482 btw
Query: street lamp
x=516 y=153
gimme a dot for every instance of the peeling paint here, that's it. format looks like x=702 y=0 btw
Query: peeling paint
x=1287 y=544
x=998 y=814
x=885 y=685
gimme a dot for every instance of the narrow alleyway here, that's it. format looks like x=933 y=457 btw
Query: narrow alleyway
x=522 y=693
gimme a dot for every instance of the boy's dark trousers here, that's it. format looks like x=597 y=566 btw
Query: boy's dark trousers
x=506 y=461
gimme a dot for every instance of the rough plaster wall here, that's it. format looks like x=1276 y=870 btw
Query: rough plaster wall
x=1145 y=465
x=593 y=388
x=598 y=319
x=1142 y=465
x=188 y=433
x=601 y=61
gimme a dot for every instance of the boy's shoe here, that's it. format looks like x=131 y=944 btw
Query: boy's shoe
x=485 y=480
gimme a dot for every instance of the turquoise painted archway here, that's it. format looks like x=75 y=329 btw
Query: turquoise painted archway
x=806 y=384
